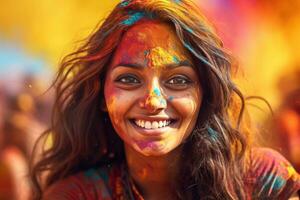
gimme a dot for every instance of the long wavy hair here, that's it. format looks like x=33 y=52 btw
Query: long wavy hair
x=81 y=133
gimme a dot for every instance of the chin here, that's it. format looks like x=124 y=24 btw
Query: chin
x=154 y=153
x=153 y=150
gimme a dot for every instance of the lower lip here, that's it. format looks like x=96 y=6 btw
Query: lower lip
x=153 y=132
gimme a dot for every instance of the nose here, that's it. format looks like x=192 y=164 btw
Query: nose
x=154 y=101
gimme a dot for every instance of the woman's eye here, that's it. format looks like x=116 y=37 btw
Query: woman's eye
x=128 y=79
x=178 y=80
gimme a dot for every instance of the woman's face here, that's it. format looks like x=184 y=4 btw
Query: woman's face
x=152 y=90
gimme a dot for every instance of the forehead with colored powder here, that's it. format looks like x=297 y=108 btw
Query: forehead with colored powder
x=150 y=43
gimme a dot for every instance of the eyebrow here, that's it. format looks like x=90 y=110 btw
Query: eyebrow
x=185 y=63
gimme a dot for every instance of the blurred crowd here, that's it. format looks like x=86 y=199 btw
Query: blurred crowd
x=282 y=130
x=24 y=115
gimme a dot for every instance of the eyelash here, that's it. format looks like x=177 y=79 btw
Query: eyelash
x=125 y=79
x=181 y=78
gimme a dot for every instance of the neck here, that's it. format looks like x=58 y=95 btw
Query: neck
x=153 y=174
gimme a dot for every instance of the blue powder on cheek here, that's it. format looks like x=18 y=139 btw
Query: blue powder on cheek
x=177 y=1
x=133 y=18
x=171 y=98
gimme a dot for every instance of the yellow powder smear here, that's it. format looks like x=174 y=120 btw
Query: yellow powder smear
x=159 y=57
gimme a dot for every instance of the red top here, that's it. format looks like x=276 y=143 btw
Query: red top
x=270 y=177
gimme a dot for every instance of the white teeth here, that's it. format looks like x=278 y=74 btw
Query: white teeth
x=148 y=125
x=160 y=124
x=142 y=123
x=153 y=125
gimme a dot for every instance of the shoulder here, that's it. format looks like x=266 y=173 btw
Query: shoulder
x=86 y=185
x=270 y=175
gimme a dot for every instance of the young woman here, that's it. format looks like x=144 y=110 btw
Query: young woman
x=146 y=109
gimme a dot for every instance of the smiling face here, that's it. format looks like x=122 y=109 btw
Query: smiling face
x=152 y=90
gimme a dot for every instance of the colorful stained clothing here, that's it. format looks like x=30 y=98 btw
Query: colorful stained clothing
x=270 y=176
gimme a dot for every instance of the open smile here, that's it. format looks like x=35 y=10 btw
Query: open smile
x=153 y=126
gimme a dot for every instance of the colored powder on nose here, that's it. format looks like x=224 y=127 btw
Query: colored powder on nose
x=153 y=102
x=163 y=102
x=155 y=98
x=156 y=91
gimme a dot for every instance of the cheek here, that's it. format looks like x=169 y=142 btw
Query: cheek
x=118 y=102
x=112 y=96
x=187 y=105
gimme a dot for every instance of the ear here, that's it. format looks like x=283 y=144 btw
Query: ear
x=103 y=106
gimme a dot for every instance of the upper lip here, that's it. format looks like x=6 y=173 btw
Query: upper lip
x=152 y=118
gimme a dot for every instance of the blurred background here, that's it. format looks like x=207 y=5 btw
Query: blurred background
x=35 y=34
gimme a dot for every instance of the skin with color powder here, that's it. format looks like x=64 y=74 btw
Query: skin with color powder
x=153 y=96
x=149 y=68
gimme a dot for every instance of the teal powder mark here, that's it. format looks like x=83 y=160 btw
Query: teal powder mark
x=104 y=175
x=189 y=29
x=273 y=182
x=133 y=18
x=190 y=48
x=212 y=134
x=157 y=92
x=91 y=173
x=171 y=98
x=177 y=1
x=125 y=3
x=163 y=102
x=175 y=59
